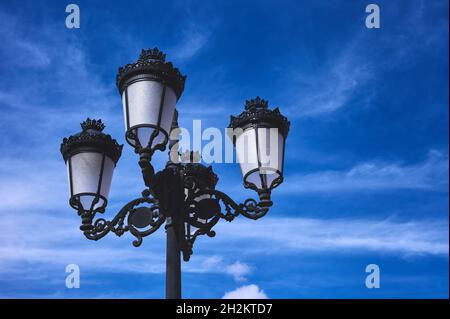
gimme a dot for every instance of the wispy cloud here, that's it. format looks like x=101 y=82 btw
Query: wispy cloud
x=31 y=54
x=331 y=88
x=246 y=292
x=341 y=236
x=195 y=37
x=36 y=114
x=72 y=89
x=39 y=230
x=25 y=185
x=350 y=73
x=23 y=243
x=431 y=175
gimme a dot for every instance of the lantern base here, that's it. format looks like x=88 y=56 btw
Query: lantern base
x=147 y=138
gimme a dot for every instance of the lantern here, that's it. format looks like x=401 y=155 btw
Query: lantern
x=149 y=89
x=259 y=136
x=90 y=157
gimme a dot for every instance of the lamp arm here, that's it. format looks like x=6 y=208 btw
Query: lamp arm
x=250 y=208
x=222 y=206
x=123 y=221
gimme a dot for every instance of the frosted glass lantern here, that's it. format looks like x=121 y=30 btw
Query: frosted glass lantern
x=90 y=157
x=259 y=136
x=150 y=89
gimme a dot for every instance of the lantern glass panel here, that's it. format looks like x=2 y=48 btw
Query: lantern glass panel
x=260 y=155
x=246 y=151
x=142 y=112
x=86 y=172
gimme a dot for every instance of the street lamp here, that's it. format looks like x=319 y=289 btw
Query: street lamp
x=183 y=195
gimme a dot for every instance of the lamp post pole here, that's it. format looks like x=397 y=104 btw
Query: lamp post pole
x=173 y=261
x=173 y=233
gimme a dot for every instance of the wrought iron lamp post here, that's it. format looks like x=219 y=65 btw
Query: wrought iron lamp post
x=183 y=195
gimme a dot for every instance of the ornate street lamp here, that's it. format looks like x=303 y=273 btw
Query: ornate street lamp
x=183 y=195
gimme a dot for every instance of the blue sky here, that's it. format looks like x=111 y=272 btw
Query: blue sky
x=366 y=171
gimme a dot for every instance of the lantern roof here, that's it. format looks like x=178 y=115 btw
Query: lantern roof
x=91 y=138
x=257 y=113
x=152 y=62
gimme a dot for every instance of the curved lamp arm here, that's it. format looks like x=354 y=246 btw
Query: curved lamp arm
x=140 y=221
x=250 y=208
x=206 y=212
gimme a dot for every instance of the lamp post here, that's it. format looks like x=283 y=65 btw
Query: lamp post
x=183 y=195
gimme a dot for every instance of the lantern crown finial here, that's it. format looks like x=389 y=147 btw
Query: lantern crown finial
x=93 y=124
x=152 y=55
x=256 y=103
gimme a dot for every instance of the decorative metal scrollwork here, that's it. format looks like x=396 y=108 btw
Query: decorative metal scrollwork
x=202 y=208
x=140 y=219
x=206 y=207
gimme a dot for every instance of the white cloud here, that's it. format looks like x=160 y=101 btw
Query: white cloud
x=238 y=270
x=217 y=264
x=246 y=292
x=431 y=174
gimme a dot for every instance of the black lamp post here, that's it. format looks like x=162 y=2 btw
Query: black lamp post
x=183 y=195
